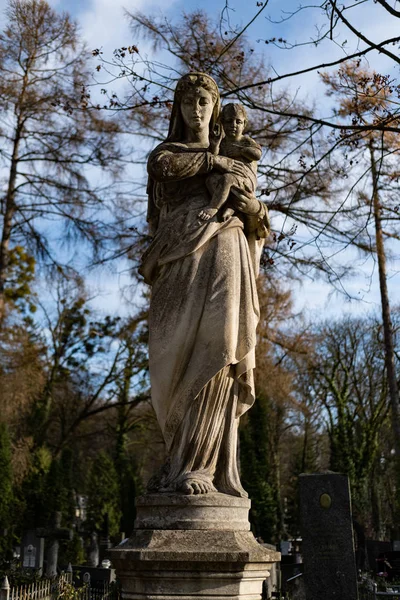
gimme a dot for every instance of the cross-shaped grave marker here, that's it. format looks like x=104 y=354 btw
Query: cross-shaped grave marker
x=53 y=535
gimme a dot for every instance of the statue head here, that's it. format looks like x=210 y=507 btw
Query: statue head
x=234 y=119
x=189 y=85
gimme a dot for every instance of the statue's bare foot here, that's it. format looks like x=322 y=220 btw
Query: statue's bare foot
x=196 y=486
x=207 y=213
x=194 y=483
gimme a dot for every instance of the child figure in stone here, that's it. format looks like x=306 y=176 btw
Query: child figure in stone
x=239 y=147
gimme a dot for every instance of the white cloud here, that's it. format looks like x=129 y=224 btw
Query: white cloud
x=103 y=24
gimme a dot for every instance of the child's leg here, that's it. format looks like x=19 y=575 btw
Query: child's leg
x=220 y=191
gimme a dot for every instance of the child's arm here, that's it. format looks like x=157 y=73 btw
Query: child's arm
x=250 y=149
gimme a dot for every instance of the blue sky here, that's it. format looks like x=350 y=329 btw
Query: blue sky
x=103 y=24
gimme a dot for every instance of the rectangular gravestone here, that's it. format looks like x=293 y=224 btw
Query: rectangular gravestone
x=328 y=544
x=32 y=551
x=97 y=576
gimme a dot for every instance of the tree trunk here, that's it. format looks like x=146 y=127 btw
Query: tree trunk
x=276 y=475
x=386 y=316
x=7 y=224
x=10 y=206
x=376 y=512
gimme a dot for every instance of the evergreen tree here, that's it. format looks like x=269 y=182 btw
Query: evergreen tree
x=33 y=494
x=48 y=488
x=59 y=489
x=103 y=495
x=6 y=489
x=134 y=362
x=255 y=471
x=129 y=486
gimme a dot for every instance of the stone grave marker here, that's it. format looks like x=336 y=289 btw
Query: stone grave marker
x=53 y=535
x=328 y=544
x=32 y=551
x=104 y=541
x=92 y=550
x=286 y=548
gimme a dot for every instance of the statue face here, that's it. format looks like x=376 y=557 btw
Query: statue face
x=234 y=125
x=196 y=108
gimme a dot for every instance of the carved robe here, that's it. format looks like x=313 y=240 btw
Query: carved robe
x=203 y=317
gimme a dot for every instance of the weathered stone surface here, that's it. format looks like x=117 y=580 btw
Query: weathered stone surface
x=239 y=147
x=206 y=511
x=204 y=307
x=202 y=265
x=202 y=585
x=328 y=547
x=202 y=563
x=192 y=564
x=193 y=546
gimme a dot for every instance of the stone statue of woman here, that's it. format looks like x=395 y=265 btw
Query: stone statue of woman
x=204 y=308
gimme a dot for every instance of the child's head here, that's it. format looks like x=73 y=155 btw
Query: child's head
x=234 y=120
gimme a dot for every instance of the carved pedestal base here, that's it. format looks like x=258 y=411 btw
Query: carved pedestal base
x=201 y=549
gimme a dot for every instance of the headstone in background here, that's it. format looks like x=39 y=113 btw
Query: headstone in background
x=96 y=576
x=92 y=551
x=285 y=548
x=32 y=551
x=375 y=550
x=327 y=532
x=86 y=578
x=291 y=569
x=105 y=543
x=53 y=535
x=69 y=573
x=81 y=509
x=361 y=553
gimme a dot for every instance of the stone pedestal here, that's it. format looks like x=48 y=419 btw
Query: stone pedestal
x=192 y=547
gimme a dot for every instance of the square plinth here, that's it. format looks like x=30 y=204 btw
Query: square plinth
x=184 y=564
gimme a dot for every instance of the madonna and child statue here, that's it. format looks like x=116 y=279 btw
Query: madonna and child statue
x=208 y=230
x=192 y=538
